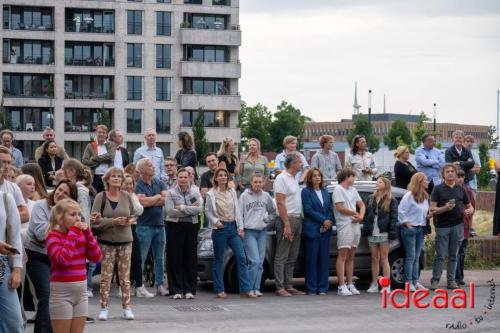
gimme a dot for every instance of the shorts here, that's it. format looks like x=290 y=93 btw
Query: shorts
x=68 y=300
x=348 y=236
x=379 y=239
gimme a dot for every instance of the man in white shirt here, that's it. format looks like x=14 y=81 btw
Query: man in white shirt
x=121 y=156
x=288 y=230
x=99 y=155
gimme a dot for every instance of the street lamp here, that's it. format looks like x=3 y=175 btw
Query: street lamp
x=369 y=117
x=434 y=119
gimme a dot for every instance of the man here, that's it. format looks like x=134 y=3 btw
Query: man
x=429 y=160
x=288 y=231
x=468 y=143
x=346 y=198
x=121 y=156
x=326 y=159
x=99 y=155
x=7 y=137
x=6 y=186
x=151 y=192
x=171 y=167
x=152 y=152
x=207 y=177
x=449 y=203
x=460 y=156
x=49 y=135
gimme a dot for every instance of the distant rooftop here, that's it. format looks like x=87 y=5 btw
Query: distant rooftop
x=412 y=118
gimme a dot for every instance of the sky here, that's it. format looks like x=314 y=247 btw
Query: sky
x=311 y=52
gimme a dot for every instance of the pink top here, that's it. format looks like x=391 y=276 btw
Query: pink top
x=68 y=253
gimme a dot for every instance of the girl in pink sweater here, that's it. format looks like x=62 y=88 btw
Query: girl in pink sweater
x=69 y=244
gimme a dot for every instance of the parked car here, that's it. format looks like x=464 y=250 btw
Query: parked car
x=362 y=264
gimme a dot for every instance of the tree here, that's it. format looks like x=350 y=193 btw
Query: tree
x=200 y=136
x=288 y=120
x=492 y=137
x=362 y=127
x=419 y=131
x=483 y=177
x=399 y=134
x=103 y=117
x=254 y=123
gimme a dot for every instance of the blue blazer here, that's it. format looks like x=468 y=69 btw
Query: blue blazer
x=316 y=213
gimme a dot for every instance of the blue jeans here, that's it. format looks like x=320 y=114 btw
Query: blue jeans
x=90 y=272
x=255 y=248
x=153 y=237
x=38 y=268
x=448 y=242
x=10 y=308
x=220 y=237
x=317 y=257
x=413 y=240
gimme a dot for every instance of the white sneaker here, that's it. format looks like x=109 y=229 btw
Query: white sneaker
x=103 y=315
x=90 y=294
x=142 y=292
x=176 y=296
x=353 y=289
x=189 y=296
x=373 y=288
x=420 y=286
x=128 y=314
x=412 y=287
x=161 y=290
x=388 y=289
x=343 y=291
x=258 y=293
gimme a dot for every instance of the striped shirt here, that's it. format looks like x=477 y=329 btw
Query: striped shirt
x=68 y=253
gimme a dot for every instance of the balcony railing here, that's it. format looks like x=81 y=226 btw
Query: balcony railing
x=209 y=26
x=88 y=27
x=30 y=94
x=88 y=95
x=31 y=27
x=28 y=60
x=90 y=62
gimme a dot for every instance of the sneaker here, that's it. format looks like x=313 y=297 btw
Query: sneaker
x=434 y=285
x=322 y=294
x=344 y=291
x=373 y=288
x=128 y=314
x=353 y=289
x=160 y=290
x=90 y=294
x=452 y=285
x=258 y=293
x=177 y=296
x=419 y=286
x=103 y=314
x=142 y=292
x=412 y=288
x=189 y=296
x=461 y=283
x=89 y=320
x=387 y=289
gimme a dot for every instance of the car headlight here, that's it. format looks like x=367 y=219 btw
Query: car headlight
x=206 y=246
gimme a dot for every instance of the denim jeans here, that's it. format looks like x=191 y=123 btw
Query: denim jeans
x=153 y=237
x=38 y=268
x=90 y=272
x=459 y=275
x=448 y=241
x=10 y=308
x=317 y=257
x=413 y=240
x=220 y=238
x=255 y=247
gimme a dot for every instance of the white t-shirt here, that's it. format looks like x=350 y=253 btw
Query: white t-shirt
x=349 y=197
x=320 y=196
x=286 y=184
x=103 y=167
x=14 y=190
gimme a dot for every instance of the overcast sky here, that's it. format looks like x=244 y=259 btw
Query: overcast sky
x=311 y=52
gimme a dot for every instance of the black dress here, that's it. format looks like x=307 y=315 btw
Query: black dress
x=496 y=215
x=403 y=173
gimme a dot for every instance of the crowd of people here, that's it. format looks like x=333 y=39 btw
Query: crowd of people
x=60 y=217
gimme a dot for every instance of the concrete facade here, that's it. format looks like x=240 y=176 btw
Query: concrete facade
x=181 y=35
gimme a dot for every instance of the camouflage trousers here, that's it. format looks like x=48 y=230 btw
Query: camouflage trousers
x=121 y=256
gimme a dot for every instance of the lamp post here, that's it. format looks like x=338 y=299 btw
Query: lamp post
x=434 y=119
x=369 y=134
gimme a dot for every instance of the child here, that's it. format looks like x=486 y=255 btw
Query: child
x=346 y=198
x=459 y=275
x=69 y=244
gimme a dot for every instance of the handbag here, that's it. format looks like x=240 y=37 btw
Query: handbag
x=96 y=231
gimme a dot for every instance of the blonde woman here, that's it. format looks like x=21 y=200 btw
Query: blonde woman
x=412 y=215
x=403 y=169
x=229 y=160
x=254 y=162
x=380 y=225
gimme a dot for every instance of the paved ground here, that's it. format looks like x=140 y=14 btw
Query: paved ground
x=297 y=314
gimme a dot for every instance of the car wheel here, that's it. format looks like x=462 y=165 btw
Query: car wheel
x=396 y=262
x=231 y=277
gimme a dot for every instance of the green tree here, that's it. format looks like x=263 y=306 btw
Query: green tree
x=362 y=127
x=398 y=134
x=200 y=136
x=254 y=123
x=492 y=137
x=483 y=177
x=103 y=117
x=288 y=120
x=419 y=131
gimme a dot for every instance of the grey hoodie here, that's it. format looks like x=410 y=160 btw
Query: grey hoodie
x=257 y=209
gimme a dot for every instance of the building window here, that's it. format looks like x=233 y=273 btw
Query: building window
x=134 y=124
x=75 y=149
x=163 y=23
x=206 y=86
x=211 y=118
x=89 y=20
x=29 y=119
x=206 y=53
x=165 y=148
x=28 y=18
x=134 y=55
x=206 y=21
x=17 y=51
x=163 y=88
x=88 y=87
x=221 y=2
x=164 y=1
x=134 y=91
x=134 y=22
x=132 y=147
x=163 y=55
x=193 y=2
x=27 y=85
x=163 y=121
x=85 y=120
x=88 y=54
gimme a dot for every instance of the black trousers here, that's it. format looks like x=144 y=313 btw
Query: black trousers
x=182 y=259
x=98 y=184
x=459 y=275
x=136 y=265
x=38 y=268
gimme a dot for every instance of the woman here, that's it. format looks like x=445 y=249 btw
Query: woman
x=290 y=146
x=257 y=211
x=38 y=265
x=253 y=162
x=35 y=171
x=183 y=205
x=228 y=160
x=27 y=185
x=317 y=230
x=360 y=160
x=186 y=155
x=113 y=213
x=403 y=169
x=380 y=225
x=13 y=173
x=191 y=173
x=223 y=214
x=130 y=169
x=413 y=213
x=49 y=162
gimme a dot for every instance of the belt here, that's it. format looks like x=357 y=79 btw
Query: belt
x=297 y=216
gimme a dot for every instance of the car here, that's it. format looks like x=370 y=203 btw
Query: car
x=362 y=264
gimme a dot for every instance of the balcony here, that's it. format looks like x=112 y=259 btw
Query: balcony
x=88 y=26
x=210 y=35
x=97 y=62
x=88 y=95
x=210 y=102
x=231 y=70
x=29 y=60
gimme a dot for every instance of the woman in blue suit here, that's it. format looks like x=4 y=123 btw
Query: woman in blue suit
x=317 y=230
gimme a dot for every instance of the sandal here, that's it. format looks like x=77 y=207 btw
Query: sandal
x=221 y=295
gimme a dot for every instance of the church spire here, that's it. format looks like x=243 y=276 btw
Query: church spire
x=356 y=106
